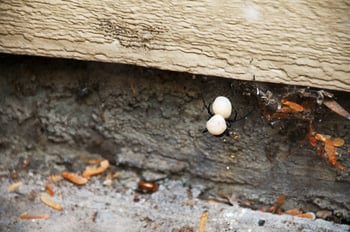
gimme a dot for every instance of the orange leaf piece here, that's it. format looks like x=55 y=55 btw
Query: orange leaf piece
x=49 y=189
x=338 y=142
x=93 y=170
x=282 y=110
x=27 y=216
x=275 y=208
x=74 y=178
x=330 y=150
x=293 y=212
x=295 y=107
x=311 y=216
x=280 y=201
x=312 y=140
x=332 y=158
x=46 y=199
x=322 y=137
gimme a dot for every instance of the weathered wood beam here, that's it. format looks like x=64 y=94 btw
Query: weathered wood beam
x=302 y=43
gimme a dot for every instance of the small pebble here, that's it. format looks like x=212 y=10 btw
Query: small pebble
x=324 y=214
x=261 y=222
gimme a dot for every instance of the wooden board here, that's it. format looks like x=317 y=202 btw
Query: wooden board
x=292 y=42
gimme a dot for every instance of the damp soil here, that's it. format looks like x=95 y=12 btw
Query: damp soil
x=55 y=114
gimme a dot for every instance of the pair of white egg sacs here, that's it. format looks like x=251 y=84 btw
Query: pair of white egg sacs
x=222 y=110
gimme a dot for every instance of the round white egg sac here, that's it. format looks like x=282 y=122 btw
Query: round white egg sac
x=222 y=106
x=216 y=125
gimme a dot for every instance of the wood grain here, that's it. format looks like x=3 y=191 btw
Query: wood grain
x=292 y=42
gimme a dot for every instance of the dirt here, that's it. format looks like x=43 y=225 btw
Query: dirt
x=149 y=124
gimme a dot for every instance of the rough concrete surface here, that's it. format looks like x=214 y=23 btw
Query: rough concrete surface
x=98 y=208
x=54 y=114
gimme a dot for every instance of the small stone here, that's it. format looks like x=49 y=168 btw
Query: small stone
x=324 y=214
x=261 y=222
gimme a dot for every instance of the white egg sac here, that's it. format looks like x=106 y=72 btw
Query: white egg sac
x=216 y=125
x=222 y=106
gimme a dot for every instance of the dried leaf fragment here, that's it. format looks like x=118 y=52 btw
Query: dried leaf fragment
x=338 y=142
x=203 y=222
x=26 y=216
x=287 y=109
x=93 y=170
x=13 y=187
x=335 y=107
x=293 y=212
x=46 y=199
x=275 y=208
x=291 y=107
x=49 y=189
x=309 y=215
x=74 y=178
x=328 y=152
x=322 y=137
